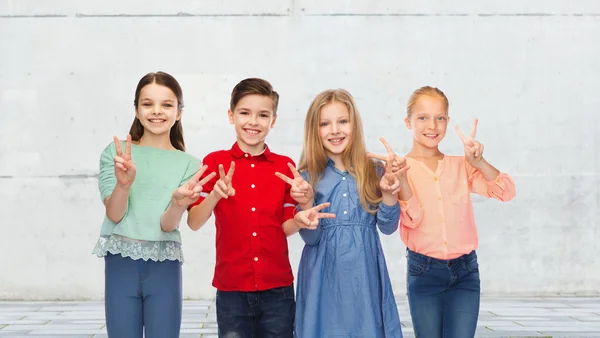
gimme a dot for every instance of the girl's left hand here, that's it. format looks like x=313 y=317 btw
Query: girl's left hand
x=190 y=191
x=473 y=148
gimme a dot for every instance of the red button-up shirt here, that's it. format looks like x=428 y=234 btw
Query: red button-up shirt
x=252 y=249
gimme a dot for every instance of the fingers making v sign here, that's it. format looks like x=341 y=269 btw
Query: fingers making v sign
x=309 y=218
x=301 y=191
x=473 y=149
x=399 y=164
x=124 y=167
x=190 y=191
x=223 y=187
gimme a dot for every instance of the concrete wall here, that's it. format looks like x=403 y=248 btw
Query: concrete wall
x=529 y=70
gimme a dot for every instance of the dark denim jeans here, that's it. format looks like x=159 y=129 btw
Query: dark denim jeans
x=142 y=296
x=443 y=295
x=260 y=314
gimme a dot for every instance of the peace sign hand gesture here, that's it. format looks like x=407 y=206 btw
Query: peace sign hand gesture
x=301 y=191
x=399 y=164
x=223 y=187
x=189 y=192
x=124 y=167
x=389 y=183
x=473 y=149
x=309 y=218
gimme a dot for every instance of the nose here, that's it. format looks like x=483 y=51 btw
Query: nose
x=334 y=128
x=254 y=119
x=156 y=109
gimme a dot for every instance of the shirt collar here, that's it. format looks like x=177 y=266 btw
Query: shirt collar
x=237 y=152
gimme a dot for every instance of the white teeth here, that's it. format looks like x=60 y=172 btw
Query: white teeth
x=154 y=120
x=252 y=131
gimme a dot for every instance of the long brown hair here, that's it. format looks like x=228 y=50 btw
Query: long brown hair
x=161 y=78
x=354 y=157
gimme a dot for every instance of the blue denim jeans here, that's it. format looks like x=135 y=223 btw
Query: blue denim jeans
x=443 y=295
x=260 y=314
x=142 y=296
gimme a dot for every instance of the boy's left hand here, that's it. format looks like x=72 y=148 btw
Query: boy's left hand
x=473 y=148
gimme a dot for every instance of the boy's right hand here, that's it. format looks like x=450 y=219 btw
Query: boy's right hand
x=223 y=187
x=124 y=167
x=301 y=191
x=309 y=218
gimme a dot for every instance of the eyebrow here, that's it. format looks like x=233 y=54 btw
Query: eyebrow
x=250 y=110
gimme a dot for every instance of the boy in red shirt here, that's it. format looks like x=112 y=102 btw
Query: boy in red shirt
x=253 y=276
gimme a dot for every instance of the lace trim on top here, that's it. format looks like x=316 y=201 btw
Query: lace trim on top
x=135 y=249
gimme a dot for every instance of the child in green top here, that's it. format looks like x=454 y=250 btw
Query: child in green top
x=145 y=190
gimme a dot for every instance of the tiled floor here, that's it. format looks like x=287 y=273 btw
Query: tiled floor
x=499 y=317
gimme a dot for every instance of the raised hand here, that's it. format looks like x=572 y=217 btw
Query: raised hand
x=473 y=149
x=124 y=167
x=189 y=192
x=309 y=218
x=301 y=191
x=389 y=183
x=399 y=164
x=223 y=187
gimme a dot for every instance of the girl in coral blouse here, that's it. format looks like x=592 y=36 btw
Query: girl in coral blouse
x=437 y=224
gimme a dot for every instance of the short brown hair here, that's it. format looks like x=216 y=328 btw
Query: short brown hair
x=253 y=86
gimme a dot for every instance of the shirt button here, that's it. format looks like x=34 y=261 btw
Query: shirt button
x=252 y=165
x=445 y=243
x=344 y=178
x=254 y=234
x=440 y=198
x=245 y=155
x=252 y=186
x=256 y=259
x=435 y=178
x=345 y=212
x=253 y=209
x=345 y=194
x=442 y=220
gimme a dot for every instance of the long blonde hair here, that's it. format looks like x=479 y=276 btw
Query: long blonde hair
x=355 y=160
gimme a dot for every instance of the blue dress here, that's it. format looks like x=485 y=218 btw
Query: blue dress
x=344 y=288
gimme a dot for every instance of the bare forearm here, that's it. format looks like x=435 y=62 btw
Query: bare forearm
x=290 y=227
x=389 y=199
x=116 y=204
x=405 y=192
x=199 y=214
x=171 y=218
x=308 y=205
x=487 y=170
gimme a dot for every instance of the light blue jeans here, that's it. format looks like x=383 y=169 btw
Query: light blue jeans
x=142 y=296
x=443 y=295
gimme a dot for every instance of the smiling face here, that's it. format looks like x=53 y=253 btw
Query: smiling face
x=428 y=121
x=157 y=109
x=253 y=118
x=335 y=129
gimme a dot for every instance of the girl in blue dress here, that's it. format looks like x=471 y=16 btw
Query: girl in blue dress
x=344 y=289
